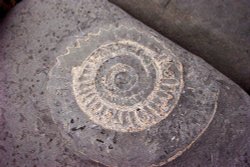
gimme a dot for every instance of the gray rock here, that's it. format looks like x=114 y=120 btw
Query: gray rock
x=83 y=84
x=216 y=31
x=32 y=35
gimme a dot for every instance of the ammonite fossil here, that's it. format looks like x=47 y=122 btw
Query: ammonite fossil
x=125 y=86
x=119 y=94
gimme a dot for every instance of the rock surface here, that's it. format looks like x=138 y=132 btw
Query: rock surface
x=44 y=122
x=216 y=31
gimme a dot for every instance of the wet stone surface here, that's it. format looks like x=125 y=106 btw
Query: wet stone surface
x=86 y=85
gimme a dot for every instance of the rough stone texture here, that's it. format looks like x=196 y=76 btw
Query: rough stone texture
x=217 y=31
x=35 y=33
x=32 y=35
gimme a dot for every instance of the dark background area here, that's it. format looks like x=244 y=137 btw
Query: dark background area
x=6 y=5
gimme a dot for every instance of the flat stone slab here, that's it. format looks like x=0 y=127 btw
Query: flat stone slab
x=107 y=90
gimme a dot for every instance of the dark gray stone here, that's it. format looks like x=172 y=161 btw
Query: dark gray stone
x=48 y=117
x=217 y=31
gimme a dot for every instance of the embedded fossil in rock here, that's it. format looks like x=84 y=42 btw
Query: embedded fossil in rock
x=125 y=80
x=125 y=86
x=75 y=139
